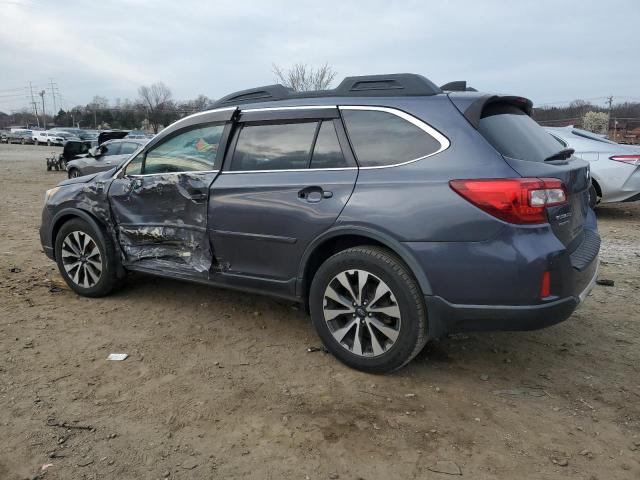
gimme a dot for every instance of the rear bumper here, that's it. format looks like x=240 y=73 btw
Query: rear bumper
x=446 y=317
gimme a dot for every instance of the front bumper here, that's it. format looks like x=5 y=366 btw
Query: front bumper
x=446 y=317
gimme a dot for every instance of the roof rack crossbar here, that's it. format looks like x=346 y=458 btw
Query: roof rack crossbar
x=397 y=84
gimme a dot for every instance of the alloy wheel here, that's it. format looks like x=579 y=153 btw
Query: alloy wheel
x=81 y=259
x=362 y=313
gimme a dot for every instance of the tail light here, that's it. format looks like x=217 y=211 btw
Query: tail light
x=630 y=159
x=514 y=200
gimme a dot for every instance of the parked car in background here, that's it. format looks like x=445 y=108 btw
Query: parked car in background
x=615 y=168
x=48 y=137
x=105 y=157
x=395 y=211
x=23 y=137
x=139 y=134
x=4 y=136
x=82 y=134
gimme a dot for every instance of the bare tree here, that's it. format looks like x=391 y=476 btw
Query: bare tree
x=302 y=77
x=157 y=99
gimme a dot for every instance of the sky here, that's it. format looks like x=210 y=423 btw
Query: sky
x=549 y=51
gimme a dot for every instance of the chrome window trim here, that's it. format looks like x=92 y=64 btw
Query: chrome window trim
x=233 y=172
x=172 y=173
x=425 y=127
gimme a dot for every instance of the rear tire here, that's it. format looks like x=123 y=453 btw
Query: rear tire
x=363 y=327
x=86 y=259
x=73 y=173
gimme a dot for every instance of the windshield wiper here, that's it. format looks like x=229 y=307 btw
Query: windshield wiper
x=561 y=155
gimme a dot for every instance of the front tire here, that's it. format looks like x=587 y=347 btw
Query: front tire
x=368 y=309
x=74 y=173
x=86 y=259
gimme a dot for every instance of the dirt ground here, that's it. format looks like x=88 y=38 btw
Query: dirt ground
x=220 y=384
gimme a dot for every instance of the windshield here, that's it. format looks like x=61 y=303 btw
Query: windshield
x=515 y=134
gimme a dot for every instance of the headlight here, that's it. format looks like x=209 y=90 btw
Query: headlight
x=49 y=193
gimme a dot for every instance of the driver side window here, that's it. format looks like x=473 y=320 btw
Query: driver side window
x=194 y=150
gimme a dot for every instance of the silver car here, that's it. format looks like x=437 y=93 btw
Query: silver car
x=615 y=168
x=106 y=156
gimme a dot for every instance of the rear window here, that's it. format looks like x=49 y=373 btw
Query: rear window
x=515 y=134
x=381 y=138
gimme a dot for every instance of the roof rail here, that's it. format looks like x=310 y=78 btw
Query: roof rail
x=392 y=85
x=457 y=86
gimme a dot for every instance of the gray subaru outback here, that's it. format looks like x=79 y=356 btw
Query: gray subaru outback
x=394 y=210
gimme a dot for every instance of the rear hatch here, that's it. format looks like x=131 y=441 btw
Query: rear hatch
x=532 y=152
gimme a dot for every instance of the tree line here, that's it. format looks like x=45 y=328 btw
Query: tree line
x=627 y=114
x=155 y=106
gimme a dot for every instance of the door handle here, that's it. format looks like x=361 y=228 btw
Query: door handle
x=314 y=194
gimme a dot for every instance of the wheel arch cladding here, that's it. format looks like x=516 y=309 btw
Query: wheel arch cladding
x=68 y=214
x=340 y=239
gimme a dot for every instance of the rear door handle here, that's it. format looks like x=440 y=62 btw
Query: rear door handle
x=314 y=194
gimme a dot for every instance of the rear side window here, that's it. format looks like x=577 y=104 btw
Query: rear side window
x=381 y=138
x=515 y=134
x=274 y=146
x=327 y=152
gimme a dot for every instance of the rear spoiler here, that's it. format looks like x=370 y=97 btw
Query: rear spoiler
x=472 y=108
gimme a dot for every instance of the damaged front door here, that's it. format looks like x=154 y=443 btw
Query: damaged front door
x=159 y=202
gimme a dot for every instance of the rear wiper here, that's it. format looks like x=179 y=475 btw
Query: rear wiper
x=561 y=155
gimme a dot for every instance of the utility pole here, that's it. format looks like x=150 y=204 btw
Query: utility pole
x=35 y=105
x=44 y=115
x=53 y=94
x=610 y=100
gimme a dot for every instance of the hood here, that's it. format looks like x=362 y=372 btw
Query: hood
x=83 y=179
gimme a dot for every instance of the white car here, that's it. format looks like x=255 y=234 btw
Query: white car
x=615 y=168
x=49 y=137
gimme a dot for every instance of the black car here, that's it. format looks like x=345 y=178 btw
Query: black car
x=22 y=137
x=394 y=210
